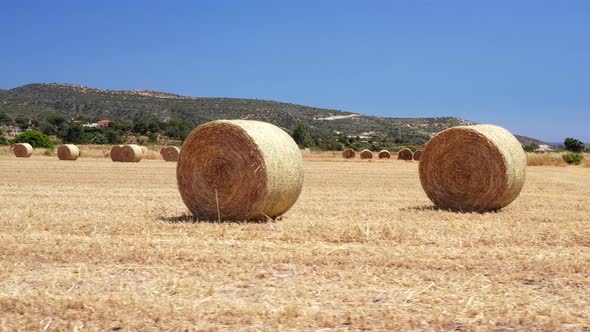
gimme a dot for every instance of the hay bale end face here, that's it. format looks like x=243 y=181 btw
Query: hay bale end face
x=348 y=154
x=473 y=168
x=366 y=154
x=384 y=154
x=405 y=154
x=239 y=170
x=68 y=152
x=116 y=153
x=418 y=155
x=170 y=153
x=131 y=153
x=22 y=150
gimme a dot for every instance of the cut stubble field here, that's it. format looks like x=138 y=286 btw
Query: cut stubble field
x=97 y=245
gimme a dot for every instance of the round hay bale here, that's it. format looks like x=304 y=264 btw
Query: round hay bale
x=22 y=150
x=405 y=154
x=116 y=152
x=384 y=154
x=239 y=170
x=366 y=154
x=348 y=154
x=418 y=155
x=68 y=152
x=131 y=153
x=170 y=153
x=473 y=168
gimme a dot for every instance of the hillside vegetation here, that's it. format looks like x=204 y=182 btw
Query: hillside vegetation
x=78 y=102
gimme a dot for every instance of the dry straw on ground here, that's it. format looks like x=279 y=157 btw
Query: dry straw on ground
x=144 y=149
x=239 y=170
x=68 y=152
x=405 y=154
x=418 y=155
x=131 y=153
x=116 y=152
x=170 y=153
x=348 y=154
x=366 y=154
x=545 y=159
x=473 y=168
x=384 y=154
x=22 y=150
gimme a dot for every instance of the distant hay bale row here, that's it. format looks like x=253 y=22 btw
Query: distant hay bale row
x=405 y=154
x=130 y=153
x=22 y=150
x=473 y=168
x=170 y=153
x=239 y=170
x=68 y=152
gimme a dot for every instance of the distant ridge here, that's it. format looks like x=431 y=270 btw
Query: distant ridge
x=71 y=100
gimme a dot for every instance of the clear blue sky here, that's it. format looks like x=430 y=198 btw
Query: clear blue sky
x=524 y=65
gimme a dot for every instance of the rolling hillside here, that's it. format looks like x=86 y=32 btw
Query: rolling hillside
x=74 y=101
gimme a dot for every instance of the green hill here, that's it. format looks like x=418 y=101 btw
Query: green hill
x=74 y=101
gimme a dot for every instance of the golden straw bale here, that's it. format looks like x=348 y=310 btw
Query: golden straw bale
x=473 y=168
x=384 y=154
x=348 y=154
x=405 y=154
x=22 y=150
x=366 y=154
x=170 y=153
x=418 y=155
x=68 y=152
x=131 y=153
x=239 y=170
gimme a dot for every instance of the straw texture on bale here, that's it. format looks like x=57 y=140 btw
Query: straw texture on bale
x=384 y=154
x=348 y=154
x=116 y=153
x=22 y=150
x=239 y=170
x=405 y=154
x=366 y=154
x=418 y=155
x=170 y=153
x=144 y=150
x=68 y=152
x=131 y=153
x=473 y=168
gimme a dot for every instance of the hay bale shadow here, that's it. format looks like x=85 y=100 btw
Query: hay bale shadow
x=423 y=208
x=190 y=219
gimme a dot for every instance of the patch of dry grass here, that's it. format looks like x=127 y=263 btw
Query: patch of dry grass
x=545 y=159
x=102 y=245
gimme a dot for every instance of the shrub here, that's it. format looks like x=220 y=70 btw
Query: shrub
x=411 y=147
x=530 y=147
x=35 y=138
x=4 y=141
x=573 y=145
x=573 y=158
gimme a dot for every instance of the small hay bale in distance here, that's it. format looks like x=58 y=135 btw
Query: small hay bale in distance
x=22 y=150
x=405 y=154
x=366 y=154
x=116 y=152
x=348 y=154
x=418 y=155
x=68 y=152
x=384 y=154
x=473 y=168
x=170 y=153
x=239 y=170
x=131 y=153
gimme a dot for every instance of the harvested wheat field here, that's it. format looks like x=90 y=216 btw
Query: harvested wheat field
x=99 y=245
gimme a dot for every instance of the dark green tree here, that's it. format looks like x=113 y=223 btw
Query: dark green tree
x=5 y=119
x=302 y=136
x=573 y=145
x=35 y=138
x=22 y=122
